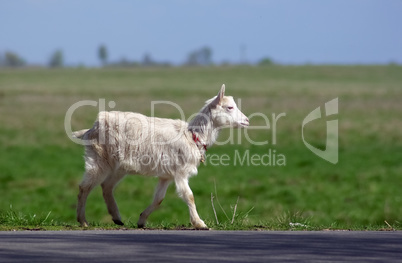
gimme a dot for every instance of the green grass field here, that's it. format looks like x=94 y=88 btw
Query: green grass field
x=40 y=168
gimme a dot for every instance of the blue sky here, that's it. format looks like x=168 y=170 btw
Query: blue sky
x=288 y=31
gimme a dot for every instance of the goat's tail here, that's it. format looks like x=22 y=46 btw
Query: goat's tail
x=80 y=134
x=89 y=135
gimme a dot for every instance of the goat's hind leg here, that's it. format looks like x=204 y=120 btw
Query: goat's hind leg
x=160 y=193
x=107 y=188
x=91 y=179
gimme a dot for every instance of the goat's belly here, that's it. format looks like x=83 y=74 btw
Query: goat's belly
x=159 y=165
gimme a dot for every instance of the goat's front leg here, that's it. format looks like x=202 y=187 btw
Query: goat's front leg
x=184 y=191
x=160 y=193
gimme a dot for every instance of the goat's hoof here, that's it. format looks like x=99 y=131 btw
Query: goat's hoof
x=201 y=226
x=84 y=224
x=118 y=222
x=141 y=221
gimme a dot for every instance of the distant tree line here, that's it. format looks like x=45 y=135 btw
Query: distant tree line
x=202 y=56
x=12 y=59
x=198 y=57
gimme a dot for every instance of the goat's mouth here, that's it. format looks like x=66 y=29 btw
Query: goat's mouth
x=244 y=124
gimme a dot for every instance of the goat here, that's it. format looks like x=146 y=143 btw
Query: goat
x=121 y=143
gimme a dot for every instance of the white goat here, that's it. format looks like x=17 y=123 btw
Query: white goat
x=123 y=143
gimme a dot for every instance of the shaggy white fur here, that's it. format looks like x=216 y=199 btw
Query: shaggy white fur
x=122 y=143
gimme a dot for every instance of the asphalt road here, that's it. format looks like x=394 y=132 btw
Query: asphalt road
x=200 y=246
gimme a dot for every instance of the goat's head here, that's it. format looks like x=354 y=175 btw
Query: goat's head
x=224 y=111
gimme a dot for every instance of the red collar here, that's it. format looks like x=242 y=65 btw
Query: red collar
x=197 y=140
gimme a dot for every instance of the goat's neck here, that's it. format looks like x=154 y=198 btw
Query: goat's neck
x=207 y=136
x=203 y=127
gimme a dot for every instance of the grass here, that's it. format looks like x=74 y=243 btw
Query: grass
x=40 y=168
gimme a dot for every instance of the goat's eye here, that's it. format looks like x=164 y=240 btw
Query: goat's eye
x=230 y=108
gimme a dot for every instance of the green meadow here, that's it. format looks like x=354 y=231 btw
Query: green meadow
x=263 y=177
